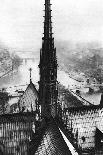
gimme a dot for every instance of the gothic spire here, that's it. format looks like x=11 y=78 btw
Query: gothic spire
x=48 y=68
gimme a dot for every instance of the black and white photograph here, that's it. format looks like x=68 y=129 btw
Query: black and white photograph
x=51 y=77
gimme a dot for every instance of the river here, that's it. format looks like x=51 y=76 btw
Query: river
x=22 y=77
x=72 y=84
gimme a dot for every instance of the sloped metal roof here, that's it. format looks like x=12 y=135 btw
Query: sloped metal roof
x=49 y=141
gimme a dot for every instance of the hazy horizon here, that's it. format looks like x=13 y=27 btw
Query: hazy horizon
x=21 y=25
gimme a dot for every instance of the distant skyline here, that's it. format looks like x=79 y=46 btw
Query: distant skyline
x=21 y=22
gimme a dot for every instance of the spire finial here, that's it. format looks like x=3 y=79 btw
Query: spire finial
x=30 y=69
x=47 y=20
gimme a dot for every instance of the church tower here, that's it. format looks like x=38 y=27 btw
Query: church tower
x=48 y=68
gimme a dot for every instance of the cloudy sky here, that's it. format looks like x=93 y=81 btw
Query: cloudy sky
x=21 y=24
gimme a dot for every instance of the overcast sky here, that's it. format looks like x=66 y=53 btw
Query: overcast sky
x=21 y=24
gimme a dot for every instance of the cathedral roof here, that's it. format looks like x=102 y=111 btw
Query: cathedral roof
x=49 y=141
